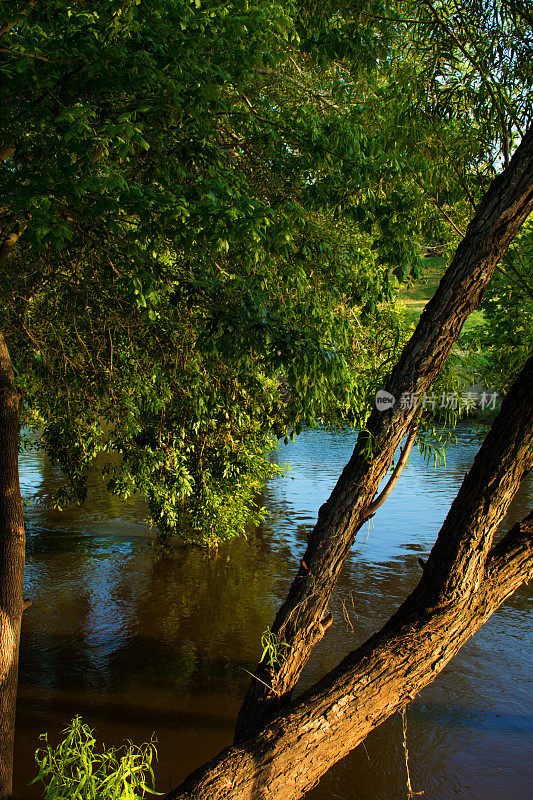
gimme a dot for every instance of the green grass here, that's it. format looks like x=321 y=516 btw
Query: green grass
x=422 y=290
x=414 y=297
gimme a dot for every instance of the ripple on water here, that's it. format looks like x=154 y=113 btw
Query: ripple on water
x=139 y=643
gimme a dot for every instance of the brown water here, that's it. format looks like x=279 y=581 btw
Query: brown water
x=138 y=643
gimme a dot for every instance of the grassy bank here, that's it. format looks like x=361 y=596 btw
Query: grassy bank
x=413 y=298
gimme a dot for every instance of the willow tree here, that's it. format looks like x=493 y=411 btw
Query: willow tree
x=174 y=261
x=203 y=210
x=474 y=56
x=178 y=279
x=200 y=203
x=283 y=746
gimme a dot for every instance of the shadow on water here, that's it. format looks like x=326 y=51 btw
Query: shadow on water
x=137 y=643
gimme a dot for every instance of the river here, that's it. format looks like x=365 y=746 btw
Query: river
x=137 y=642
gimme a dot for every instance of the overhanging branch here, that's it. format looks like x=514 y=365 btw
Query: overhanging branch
x=502 y=210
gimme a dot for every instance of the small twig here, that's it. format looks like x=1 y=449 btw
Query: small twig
x=28 y=55
x=346 y=614
x=251 y=674
x=437 y=205
x=410 y=792
x=366 y=751
x=380 y=499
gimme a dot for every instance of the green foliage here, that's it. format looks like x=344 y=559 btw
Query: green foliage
x=211 y=204
x=274 y=652
x=76 y=769
x=182 y=292
x=477 y=56
x=432 y=441
x=502 y=344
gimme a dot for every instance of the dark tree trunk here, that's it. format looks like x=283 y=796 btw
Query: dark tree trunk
x=12 y=542
x=465 y=580
x=504 y=208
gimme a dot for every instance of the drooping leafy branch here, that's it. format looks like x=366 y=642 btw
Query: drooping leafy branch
x=202 y=207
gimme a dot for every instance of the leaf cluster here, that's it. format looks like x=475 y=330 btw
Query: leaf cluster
x=211 y=204
x=76 y=769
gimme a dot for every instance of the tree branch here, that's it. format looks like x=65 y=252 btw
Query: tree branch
x=292 y=752
x=397 y=471
x=27 y=55
x=438 y=206
x=298 y=745
x=503 y=209
x=319 y=95
x=505 y=456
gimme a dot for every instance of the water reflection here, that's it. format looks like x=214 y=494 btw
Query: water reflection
x=138 y=643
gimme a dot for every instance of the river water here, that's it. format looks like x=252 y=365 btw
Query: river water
x=138 y=643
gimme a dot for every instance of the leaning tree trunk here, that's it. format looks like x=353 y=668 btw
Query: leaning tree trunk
x=502 y=211
x=11 y=565
x=465 y=580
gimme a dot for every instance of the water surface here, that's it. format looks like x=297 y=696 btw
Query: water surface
x=138 y=643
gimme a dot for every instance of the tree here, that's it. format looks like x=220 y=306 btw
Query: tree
x=283 y=748
x=502 y=212
x=12 y=553
x=197 y=209
x=164 y=192
x=192 y=207
x=171 y=253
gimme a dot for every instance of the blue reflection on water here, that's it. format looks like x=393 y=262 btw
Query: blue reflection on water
x=120 y=634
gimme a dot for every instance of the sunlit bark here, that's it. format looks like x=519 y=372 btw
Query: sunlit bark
x=12 y=542
x=464 y=582
x=502 y=211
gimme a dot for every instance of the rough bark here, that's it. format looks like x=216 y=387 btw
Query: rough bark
x=502 y=211
x=12 y=542
x=289 y=755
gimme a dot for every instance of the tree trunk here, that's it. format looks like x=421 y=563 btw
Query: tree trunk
x=12 y=543
x=502 y=211
x=464 y=582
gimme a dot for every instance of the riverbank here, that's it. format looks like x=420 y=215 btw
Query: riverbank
x=413 y=298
